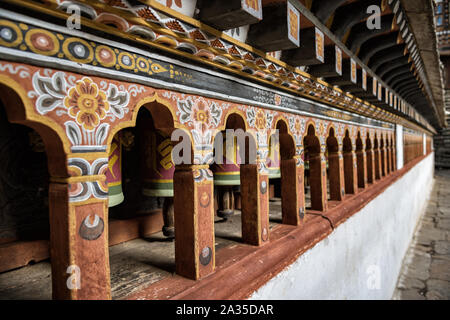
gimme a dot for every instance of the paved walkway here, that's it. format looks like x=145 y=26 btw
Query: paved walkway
x=426 y=268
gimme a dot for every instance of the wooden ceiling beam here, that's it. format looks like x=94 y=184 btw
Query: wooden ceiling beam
x=324 y=9
x=230 y=14
x=349 y=15
x=360 y=33
x=279 y=30
x=311 y=50
x=386 y=55
x=373 y=46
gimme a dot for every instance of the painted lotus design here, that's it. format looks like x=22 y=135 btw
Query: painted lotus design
x=87 y=104
x=201 y=114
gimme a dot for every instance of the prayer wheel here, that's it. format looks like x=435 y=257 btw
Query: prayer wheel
x=273 y=161
x=273 y=166
x=227 y=178
x=114 y=172
x=157 y=171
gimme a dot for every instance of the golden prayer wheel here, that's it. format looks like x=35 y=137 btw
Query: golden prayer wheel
x=114 y=173
x=157 y=171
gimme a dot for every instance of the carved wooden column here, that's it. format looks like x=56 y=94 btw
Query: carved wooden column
x=79 y=230
x=292 y=191
x=351 y=174
x=318 y=181
x=361 y=161
x=255 y=203
x=336 y=174
x=194 y=221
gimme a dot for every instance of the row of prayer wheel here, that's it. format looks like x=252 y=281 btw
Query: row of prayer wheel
x=157 y=170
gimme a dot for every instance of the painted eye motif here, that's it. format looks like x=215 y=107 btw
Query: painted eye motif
x=92 y=227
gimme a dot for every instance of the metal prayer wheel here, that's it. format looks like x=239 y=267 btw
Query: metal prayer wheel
x=157 y=171
x=227 y=178
x=114 y=173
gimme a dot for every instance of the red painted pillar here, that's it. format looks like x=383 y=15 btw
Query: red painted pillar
x=388 y=160
x=351 y=174
x=370 y=159
x=292 y=191
x=383 y=161
x=318 y=181
x=336 y=175
x=194 y=221
x=361 y=160
x=79 y=230
x=377 y=164
x=394 y=161
x=255 y=204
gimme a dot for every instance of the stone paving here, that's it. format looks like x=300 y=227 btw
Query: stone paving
x=425 y=273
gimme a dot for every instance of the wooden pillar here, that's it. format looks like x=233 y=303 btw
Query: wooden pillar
x=350 y=172
x=318 y=181
x=361 y=162
x=79 y=231
x=336 y=175
x=194 y=221
x=383 y=161
x=292 y=191
x=394 y=161
x=377 y=164
x=388 y=159
x=370 y=160
x=255 y=205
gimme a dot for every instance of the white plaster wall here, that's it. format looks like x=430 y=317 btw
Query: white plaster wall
x=362 y=258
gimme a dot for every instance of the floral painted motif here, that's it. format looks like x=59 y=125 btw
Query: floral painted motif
x=297 y=127
x=260 y=120
x=198 y=113
x=86 y=104
x=93 y=106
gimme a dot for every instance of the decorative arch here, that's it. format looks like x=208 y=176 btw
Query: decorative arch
x=19 y=109
x=162 y=113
